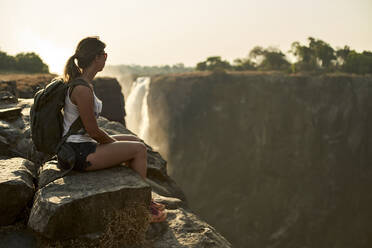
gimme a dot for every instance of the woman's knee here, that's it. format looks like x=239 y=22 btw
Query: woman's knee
x=141 y=149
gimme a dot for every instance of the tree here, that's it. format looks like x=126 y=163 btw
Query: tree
x=213 y=63
x=322 y=51
x=269 y=59
x=6 y=62
x=30 y=62
x=360 y=63
x=244 y=64
x=342 y=54
x=201 y=66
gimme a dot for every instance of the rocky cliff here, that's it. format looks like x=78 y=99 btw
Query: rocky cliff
x=271 y=160
x=109 y=91
x=40 y=207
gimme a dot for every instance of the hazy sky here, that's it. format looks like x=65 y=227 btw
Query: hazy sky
x=159 y=32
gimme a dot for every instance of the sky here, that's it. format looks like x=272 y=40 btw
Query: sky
x=166 y=32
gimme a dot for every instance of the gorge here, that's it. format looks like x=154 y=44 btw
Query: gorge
x=270 y=160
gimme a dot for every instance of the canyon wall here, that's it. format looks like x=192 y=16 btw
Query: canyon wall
x=270 y=160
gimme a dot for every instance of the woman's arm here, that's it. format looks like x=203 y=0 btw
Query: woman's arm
x=83 y=97
x=125 y=137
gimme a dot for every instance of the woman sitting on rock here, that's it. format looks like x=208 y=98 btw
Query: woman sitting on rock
x=96 y=149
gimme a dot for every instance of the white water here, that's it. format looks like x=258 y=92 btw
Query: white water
x=137 y=118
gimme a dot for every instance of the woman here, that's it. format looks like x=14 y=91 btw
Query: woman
x=95 y=148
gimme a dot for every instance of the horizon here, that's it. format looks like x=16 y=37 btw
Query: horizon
x=166 y=32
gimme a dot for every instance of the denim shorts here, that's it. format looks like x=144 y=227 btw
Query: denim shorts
x=82 y=150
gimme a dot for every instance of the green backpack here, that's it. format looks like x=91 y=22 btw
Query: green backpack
x=47 y=118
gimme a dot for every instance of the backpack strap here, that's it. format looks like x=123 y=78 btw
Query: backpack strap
x=77 y=81
x=77 y=124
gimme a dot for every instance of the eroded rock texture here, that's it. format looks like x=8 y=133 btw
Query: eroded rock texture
x=16 y=188
x=271 y=160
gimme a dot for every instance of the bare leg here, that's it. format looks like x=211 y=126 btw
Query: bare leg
x=126 y=137
x=112 y=154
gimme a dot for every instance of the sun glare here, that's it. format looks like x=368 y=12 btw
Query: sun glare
x=55 y=57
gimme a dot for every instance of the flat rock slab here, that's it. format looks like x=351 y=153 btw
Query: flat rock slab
x=184 y=229
x=10 y=113
x=16 y=188
x=76 y=204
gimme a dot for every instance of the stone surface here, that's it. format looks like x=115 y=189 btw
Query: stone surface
x=10 y=113
x=184 y=229
x=109 y=91
x=9 y=86
x=7 y=97
x=270 y=160
x=74 y=205
x=16 y=188
x=4 y=146
x=17 y=239
x=169 y=202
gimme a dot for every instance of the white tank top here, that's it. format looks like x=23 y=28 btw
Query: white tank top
x=71 y=113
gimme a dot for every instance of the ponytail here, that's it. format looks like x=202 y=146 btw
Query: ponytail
x=72 y=71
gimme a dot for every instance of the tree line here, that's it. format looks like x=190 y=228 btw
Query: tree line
x=316 y=56
x=22 y=62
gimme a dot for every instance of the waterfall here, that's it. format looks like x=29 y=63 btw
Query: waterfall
x=137 y=118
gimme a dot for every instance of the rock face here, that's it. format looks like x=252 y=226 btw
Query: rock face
x=109 y=91
x=74 y=205
x=271 y=160
x=16 y=188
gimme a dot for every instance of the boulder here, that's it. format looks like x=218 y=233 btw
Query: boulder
x=109 y=91
x=7 y=98
x=17 y=237
x=12 y=140
x=16 y=186
x=76 y=204
x=10 y=132
x=185 y=229
x=9 y=86
x=169 y=202
x=10 y=113
x=4 y=146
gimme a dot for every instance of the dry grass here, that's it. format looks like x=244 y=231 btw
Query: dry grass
x=28 y=78
x=27 y=82
x=124 y=228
